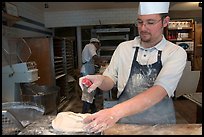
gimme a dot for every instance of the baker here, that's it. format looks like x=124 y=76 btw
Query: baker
x=146 y=71
x=90 y=58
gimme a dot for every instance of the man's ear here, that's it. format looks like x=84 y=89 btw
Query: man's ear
x=166 y=21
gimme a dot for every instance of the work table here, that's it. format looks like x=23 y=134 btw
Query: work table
x=167 y=129
x=43 y=127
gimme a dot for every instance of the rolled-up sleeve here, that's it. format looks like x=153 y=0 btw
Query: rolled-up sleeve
x=174 y=63
x=120 y=65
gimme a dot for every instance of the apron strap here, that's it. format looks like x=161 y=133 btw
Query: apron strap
x=136 y=51
x=159 y=55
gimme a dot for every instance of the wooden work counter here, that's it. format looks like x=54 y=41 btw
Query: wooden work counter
x=43 y=127
x=170 y=129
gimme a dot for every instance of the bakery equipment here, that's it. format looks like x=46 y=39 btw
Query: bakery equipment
x=10 y=125
x=17 y=115
x=47 y=96
x=17 y=73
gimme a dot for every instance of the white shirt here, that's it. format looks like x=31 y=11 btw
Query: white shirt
x=173 y=59
x=88 y=52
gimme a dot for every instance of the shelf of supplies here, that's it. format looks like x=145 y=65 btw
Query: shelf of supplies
x=59 y=76
x=56 y=57
x=199 y=46
x=59 y=69
x=182 y=28
x=110 y=38
x=181 y=39
x=59 y=61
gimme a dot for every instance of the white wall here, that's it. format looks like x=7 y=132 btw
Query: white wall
x=90 y=17
x=31 y=23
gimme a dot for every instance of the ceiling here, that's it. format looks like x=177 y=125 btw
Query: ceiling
x=66 y=6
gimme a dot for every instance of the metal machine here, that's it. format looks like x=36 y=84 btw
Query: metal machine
x=17 y=73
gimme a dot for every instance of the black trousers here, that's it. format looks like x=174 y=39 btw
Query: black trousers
x=87 y=106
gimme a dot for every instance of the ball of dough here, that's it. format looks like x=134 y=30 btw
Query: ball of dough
x=69 y=122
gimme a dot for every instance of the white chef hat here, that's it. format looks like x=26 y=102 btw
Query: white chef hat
x=94 y=40
x=146 y=8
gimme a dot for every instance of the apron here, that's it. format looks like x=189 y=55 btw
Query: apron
x=141 y=78
x=88 y=68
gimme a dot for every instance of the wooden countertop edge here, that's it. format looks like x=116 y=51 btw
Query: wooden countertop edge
x=167 y=129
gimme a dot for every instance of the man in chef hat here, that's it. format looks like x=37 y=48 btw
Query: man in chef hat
x=146 y=71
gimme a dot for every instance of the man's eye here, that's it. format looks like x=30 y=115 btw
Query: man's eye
x=140 y=22
x=150 y=23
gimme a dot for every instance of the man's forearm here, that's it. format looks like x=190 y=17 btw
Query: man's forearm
x=107 y=84
x=140 y=102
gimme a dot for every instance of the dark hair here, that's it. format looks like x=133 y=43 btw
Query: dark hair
x=164 y=15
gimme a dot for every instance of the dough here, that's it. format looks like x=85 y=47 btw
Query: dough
x=69 y=122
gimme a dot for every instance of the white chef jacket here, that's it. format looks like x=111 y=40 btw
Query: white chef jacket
x=88 y=63
x=173 y=59
x=88 y=52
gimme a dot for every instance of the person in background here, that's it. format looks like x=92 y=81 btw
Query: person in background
x=89 y=60
x=146 y=71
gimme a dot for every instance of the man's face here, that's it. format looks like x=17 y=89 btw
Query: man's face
x=97 y=45
x=150 y=27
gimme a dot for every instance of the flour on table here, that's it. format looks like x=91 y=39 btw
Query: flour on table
x=69 y=122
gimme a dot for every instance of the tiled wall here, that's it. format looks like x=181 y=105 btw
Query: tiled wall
x=27 y=10
x=31 y=23
x=90 y=17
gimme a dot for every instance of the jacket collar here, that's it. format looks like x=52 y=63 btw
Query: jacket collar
x=159 y=46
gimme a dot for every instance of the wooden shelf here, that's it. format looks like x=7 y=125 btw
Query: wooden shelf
x=11 y=20
x=59 y=76
x=182 y=31
x=181 y=39
x=182 y=28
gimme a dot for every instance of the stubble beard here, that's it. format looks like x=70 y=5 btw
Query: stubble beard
x=146 y=37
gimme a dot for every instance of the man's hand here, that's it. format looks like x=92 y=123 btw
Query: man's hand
x=96 y=81
x=100 y=120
